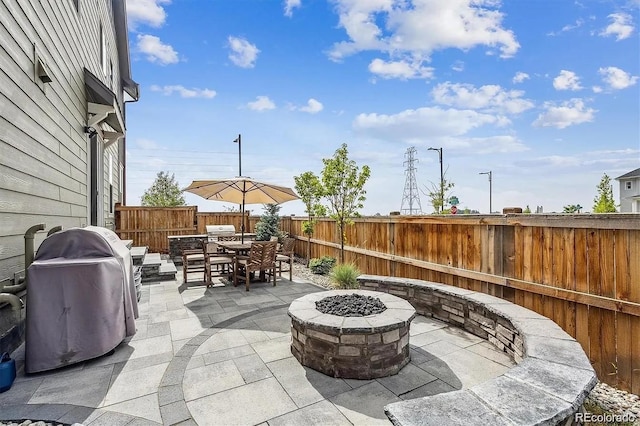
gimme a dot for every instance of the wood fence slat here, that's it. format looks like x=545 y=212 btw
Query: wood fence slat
x=582 y=285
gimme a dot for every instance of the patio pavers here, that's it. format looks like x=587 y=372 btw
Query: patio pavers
x=221 y=356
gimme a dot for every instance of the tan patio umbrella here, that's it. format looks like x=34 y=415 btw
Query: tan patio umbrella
x=242 y=190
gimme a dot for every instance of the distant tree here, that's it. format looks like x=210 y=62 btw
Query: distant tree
x=343 y=184
x=438 y=194
x=269 y=224
x=309 y=188
x=572 y=208
x=527 y=210
x=604 y=202
x=164 y=192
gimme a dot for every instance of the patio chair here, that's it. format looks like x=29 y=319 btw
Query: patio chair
x=214 y=257
x=262 y=258
x=285 y=254
x=193 y=261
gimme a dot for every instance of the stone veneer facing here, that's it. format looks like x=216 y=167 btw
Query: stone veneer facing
x=351 y=347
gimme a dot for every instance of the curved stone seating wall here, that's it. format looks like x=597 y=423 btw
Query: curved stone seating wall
x=549 y=384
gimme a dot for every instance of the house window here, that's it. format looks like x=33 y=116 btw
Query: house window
x=76 y=5
x=627 y=185
x=111 y=74
x=110 y=198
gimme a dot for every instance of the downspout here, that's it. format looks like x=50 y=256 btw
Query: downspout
x=28 y=259
x=12 y=299
x=54 y=230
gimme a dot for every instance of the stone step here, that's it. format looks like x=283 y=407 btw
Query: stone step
x=167 y=268
x=138 y=254
x=162 y=271
x=152 y=259
x=151 y=264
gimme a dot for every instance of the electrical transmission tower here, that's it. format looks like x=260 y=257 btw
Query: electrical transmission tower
x=410 y=196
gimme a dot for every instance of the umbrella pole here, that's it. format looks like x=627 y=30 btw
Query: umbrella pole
x=244 y=192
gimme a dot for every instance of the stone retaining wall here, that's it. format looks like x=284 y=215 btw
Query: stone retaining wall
x=549 y=384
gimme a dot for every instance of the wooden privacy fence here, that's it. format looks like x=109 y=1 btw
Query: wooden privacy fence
x=582 y=271
x=150 y=226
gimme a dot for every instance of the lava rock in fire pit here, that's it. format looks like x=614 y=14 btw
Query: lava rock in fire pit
x=350 y=305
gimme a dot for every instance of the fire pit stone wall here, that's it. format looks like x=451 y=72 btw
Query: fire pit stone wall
x=351 y=347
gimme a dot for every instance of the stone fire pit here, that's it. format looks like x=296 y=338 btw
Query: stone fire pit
x=354 y=347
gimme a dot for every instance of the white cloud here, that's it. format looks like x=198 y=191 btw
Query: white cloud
x=488 y=98
x=458 y=66
x=421 y=27
x=569 y=27
x=485 y=145
x=243 y=53
x=621 y=26
x=184 y=92
x=149 y=12
x=156 y=51
x=262 y=103
x=565 y=114
x=399 y=69
x=616 y=78
x=422 y=123
x=596 y=89
x=289 y=5
x=520 y=77
x=567 y=80
x=313 y=106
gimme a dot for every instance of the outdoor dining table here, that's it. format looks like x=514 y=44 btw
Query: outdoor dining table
x=238 y=249
x=235 y=247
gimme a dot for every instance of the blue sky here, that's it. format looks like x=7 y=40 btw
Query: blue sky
x=544 y=93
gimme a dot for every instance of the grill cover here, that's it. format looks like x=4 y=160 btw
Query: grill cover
x=81 y=298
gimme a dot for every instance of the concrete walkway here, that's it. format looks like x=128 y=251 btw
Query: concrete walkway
x=221 y=356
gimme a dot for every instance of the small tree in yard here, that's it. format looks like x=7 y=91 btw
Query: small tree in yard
x=269 y=224
x=438 y=195
x=604 y=202
x=309 y=188
x=165 y=192
x=343 y=184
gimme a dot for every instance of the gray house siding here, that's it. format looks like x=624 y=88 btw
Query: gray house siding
x=630 y=191
x=629 y=198
x=44 y=150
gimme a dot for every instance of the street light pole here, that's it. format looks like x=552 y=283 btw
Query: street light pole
x=490 y=189
x=239 y=142
x=441 y=177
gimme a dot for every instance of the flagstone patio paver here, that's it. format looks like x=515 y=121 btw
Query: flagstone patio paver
x=221 y=356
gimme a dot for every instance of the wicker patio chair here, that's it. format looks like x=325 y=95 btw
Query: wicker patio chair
x=261 y=258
